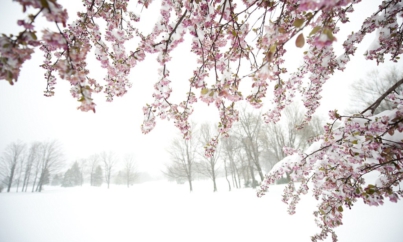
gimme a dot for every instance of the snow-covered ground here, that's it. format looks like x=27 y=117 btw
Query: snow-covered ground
x=162 y=211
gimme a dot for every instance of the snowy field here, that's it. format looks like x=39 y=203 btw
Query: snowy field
x=162 y=211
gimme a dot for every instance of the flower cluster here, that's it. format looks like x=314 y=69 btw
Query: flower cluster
x=335 y=166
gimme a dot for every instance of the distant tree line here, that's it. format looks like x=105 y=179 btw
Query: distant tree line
x=98 y=169
x=251 y=150
x=30 y=167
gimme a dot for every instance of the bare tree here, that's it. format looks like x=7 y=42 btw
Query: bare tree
x=183 y=155
x=366 y=91
x=51 y=160
x=36 y=166
x=285 y=134
x=32 y=159
x=110 y=161
x=226 y=174
x=129 y=169
x=245 y=167
x=208 y=166
x=274 y=137
x=249 y=128
x=230 y=149
x=20 y=168
x=12 y=156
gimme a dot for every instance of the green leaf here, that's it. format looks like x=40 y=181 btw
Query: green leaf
x=340 y=209
x=369 y=137
x=371 y=191
x=273 y=48
x=33 y=35
x=329 y=33
x=298 y=22
x=314 y=30
x=45 y=4
x=281 y=30
x=309 y=15
x=9 y=77
x=204 y=91
x=354 y=142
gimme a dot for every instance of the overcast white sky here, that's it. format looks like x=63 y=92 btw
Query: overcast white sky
x=28 y=116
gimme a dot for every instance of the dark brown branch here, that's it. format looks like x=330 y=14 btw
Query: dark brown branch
x=375 y=105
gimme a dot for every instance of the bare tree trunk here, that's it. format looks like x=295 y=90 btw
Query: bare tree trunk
x=189 y=167
x=214 y=180
x=33 y=185
x=27 y=181
x=41 y=181
x=11 y=177
x=252 y=174
x=190 y=183
x=21 y=171
x=239 y=180
x=234 y=172
x=259 y=170
x=245 y=174
x=189 y=173
x=226 y=175
x=252 y=155
x=26 y=177
x=110 y=162
x=19 y=178
x=239 y=177
x=37 y=185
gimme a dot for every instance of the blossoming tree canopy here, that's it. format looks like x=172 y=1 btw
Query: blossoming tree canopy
x=227 y=35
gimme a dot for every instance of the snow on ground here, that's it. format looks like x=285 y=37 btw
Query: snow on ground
x=162 y=211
